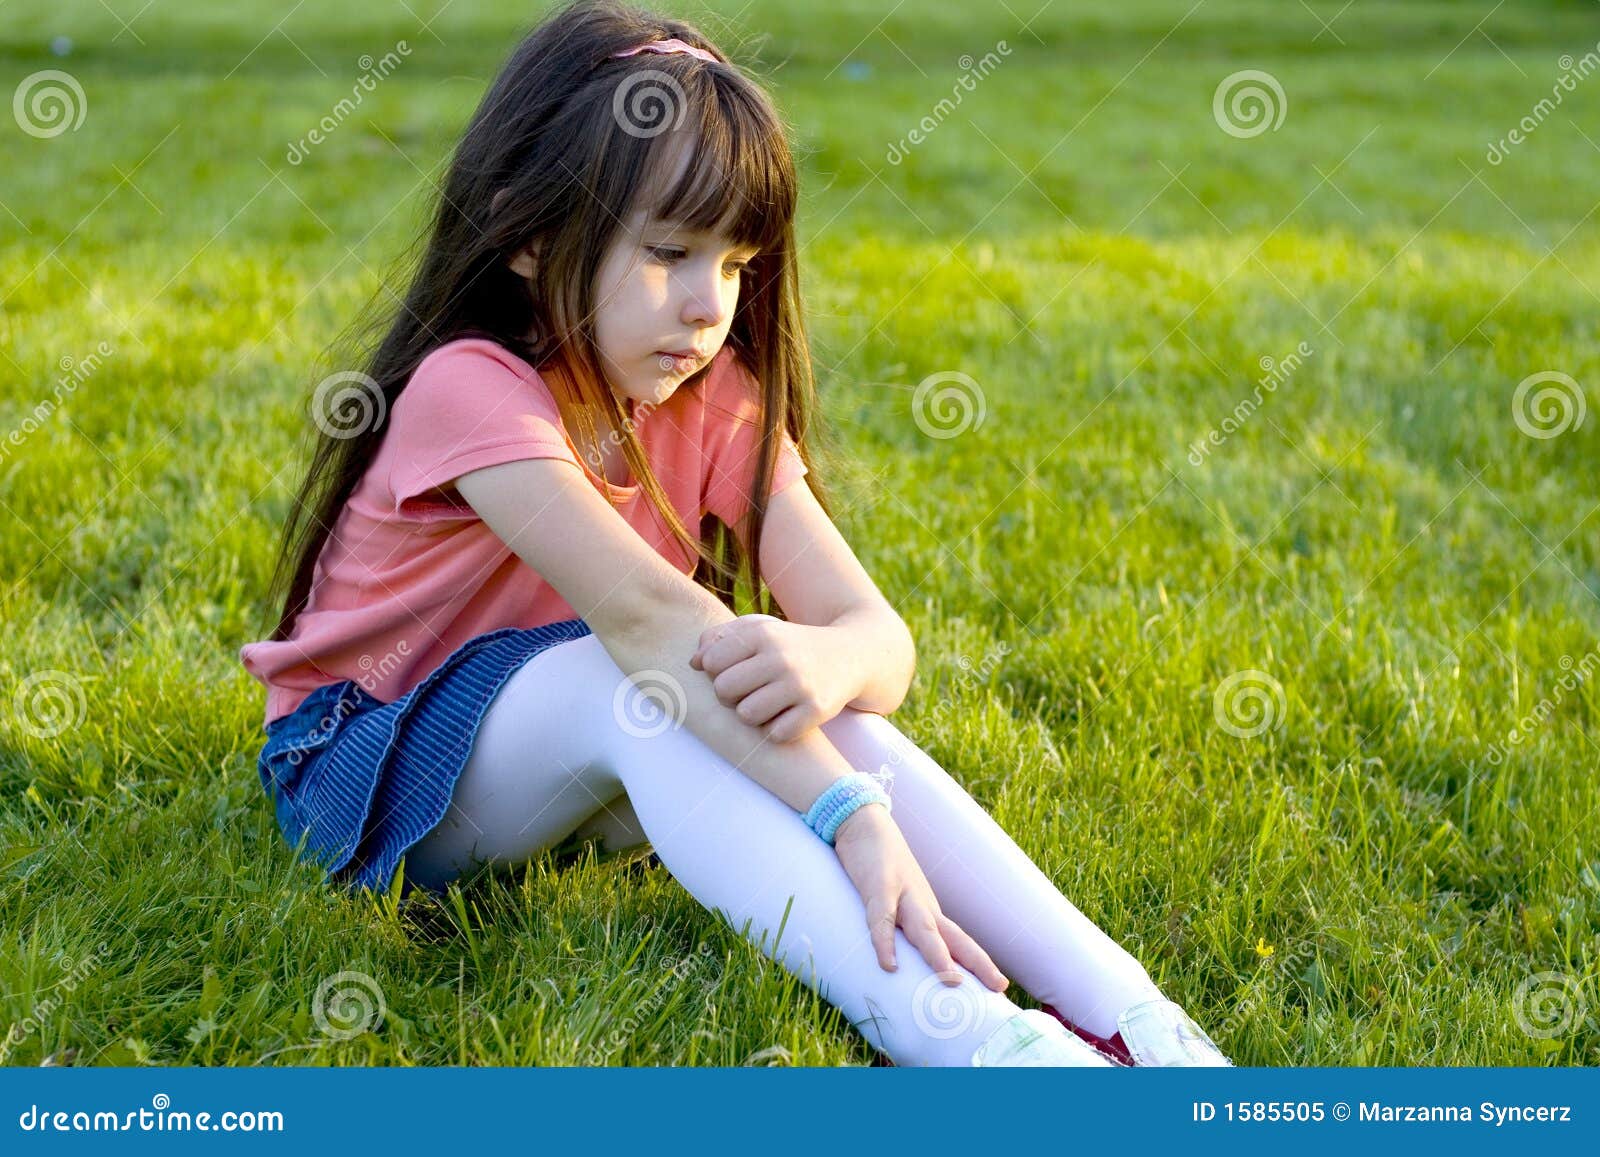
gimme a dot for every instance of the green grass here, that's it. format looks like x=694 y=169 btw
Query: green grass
x=1380 y=539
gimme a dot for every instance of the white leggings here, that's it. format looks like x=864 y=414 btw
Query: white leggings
x=554 y=756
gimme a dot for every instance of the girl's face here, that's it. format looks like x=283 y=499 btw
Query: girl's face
x=663 y=290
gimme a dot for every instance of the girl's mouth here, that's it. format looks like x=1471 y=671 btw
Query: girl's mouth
x=676 y=363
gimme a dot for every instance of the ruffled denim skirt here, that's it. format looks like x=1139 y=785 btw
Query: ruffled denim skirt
x=356 y=781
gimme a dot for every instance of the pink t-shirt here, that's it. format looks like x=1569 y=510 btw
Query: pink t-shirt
x=403 y=579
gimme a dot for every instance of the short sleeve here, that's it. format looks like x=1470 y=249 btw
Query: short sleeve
x=469 y=404
x=732 y=443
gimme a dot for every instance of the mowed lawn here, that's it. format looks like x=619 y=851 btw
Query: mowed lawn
x=1250 y=533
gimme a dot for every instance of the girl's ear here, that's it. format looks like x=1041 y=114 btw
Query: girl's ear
x=521 y=263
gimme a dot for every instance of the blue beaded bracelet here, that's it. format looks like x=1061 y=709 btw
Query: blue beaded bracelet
x=840 y=801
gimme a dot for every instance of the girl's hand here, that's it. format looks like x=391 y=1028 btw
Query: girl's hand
x=874 y=854
x=785 y=677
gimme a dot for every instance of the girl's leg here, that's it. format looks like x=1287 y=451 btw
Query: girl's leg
x=553 y=748
x=615 y=824
x=989 y=886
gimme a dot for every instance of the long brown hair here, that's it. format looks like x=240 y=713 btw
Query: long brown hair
x=575 y=137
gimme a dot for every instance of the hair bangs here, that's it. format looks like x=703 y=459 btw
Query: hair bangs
x=740 y=182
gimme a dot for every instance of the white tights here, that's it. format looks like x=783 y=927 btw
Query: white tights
x=554 y=756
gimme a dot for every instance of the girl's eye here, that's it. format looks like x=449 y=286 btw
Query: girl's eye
x=670 y=254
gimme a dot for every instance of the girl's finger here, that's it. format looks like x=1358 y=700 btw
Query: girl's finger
x=764 y=704
x=736 y=681
x=970 y=953
x=880 y=923
x=922 y=929
x=792 y=724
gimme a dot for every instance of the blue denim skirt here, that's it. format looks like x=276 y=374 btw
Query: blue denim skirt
x=356 y=781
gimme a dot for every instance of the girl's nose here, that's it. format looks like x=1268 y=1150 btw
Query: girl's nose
x=702 y=301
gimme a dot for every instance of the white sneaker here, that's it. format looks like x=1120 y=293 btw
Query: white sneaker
x=1160 y=1034
x=1033 y=1039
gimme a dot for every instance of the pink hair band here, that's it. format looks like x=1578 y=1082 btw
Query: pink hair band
x=670 y=45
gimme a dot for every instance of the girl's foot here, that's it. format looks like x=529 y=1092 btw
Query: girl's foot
x=1111 y=1047
x=1154 y=1034
x=1032 y=1039
x=1029 y=1039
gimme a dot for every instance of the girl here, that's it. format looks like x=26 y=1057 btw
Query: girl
x=588 y=423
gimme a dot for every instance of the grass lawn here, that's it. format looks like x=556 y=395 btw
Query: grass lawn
x=1259 y=605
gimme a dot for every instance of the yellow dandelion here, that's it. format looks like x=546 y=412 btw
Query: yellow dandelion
x=1262 y=947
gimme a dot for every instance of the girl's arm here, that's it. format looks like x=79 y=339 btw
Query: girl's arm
x=843 y=646
x=885 y=656
x=646 y=614
x=818 y=580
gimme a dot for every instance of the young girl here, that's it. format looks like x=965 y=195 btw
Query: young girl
x=509 y=581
